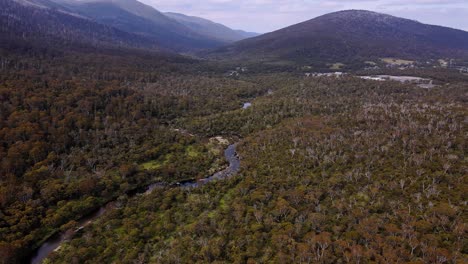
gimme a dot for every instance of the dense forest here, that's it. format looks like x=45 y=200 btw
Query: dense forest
x=80 y=129
x=333 y=170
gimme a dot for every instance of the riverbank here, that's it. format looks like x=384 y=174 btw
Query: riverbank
x=54 y=242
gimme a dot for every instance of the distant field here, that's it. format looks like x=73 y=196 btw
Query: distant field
x=337 y=66
x=280 y=63
x=397 y=61
x=443 y=62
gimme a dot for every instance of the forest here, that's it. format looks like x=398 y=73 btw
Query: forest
x=76 y=133
x=333 y=170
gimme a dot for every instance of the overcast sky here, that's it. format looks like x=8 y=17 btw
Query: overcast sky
x=268 y=15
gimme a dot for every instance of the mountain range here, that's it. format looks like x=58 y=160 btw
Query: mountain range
x=340 y=37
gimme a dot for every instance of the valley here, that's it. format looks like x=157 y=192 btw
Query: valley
x=132 y=135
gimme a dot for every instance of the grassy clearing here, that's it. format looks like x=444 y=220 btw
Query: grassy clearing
x=191 y=152
x=443 y=63
x=152 y=165
x=337 y=66
x=397 y=61
x=280 y=63
x=157 y=163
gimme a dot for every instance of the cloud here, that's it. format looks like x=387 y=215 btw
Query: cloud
x=268 y=15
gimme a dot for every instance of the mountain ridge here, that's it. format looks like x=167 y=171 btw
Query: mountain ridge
x=349 y=35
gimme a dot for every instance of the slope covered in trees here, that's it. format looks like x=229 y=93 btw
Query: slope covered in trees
x=25 y=28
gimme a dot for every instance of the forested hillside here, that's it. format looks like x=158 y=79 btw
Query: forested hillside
x=26 y=28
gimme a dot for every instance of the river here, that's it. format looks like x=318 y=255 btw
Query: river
x=54 y=242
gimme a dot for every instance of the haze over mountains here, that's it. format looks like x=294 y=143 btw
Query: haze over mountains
x=210 y=29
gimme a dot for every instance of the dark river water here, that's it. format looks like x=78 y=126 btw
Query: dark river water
x=55 y=241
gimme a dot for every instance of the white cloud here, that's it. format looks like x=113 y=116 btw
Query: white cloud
x=269 y=15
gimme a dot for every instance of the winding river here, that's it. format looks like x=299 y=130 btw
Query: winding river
x=54 y=242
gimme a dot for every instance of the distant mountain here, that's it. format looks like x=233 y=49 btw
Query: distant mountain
x=247 y=34
x=351 y=35
x=210 y=29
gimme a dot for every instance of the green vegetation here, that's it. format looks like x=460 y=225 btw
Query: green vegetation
x=191 y=152
x=81 y=130
x=152 y=165
x=333 y=171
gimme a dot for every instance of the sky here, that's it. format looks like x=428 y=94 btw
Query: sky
x=268 y=15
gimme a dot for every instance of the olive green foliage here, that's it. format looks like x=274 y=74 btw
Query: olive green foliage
x=333 y=171
x=80 y=130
